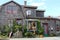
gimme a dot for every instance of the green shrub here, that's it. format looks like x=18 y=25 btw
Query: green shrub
x=52 y=34
x=24 y=30
x=5 y=31
x=29 y=35
x=40 y=29
x=16 y=27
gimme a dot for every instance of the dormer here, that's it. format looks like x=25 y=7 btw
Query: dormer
x=30 y=10
x=40 y=13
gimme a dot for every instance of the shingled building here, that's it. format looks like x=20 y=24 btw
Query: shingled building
x=25 y=14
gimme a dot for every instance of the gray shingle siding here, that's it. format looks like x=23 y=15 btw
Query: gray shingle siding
x=21 y=13
x=33 y=12
x=4 y=15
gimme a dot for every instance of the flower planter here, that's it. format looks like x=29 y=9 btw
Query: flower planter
x=41 y=36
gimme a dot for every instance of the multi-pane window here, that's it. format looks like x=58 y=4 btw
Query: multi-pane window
x=11 y=9
x=28 y=12
x=39 y=14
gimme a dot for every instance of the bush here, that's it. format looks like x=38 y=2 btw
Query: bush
x=29 y=35
x=24 y=30
x=16 y=27
x=52 y=34
x=40 y=29
x=5 y=30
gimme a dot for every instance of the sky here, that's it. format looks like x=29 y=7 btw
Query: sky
x=51 y=7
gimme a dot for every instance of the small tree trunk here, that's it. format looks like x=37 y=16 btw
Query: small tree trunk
x=10 y=34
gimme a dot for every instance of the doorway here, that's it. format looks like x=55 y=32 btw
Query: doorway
x=45 y=25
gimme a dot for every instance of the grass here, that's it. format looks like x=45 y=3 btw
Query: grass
x=1 y=36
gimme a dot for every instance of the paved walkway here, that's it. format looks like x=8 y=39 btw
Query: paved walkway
x=45 y=38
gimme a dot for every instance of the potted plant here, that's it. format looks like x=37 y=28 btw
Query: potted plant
x=40 y=29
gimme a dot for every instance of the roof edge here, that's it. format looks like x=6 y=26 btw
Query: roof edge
x=34 y=7
x=40 y=10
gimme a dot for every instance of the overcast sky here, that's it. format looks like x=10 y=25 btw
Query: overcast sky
x=51 y=7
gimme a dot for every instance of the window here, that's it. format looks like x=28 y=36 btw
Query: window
x=40 y=14
x=57 y=29
x=32 y=26
x=19 y=22
x=28 y=12
x=52 y=29
x=11 y=9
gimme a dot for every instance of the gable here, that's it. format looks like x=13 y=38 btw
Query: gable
x=12 y=8
x=10 y=2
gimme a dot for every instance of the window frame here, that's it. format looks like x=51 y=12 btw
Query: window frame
x=29 y=23
x=11 y=7
x=28 y=12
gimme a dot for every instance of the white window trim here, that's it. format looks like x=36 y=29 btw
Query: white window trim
x=28 y=12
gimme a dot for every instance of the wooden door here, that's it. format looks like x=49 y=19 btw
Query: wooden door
x=45 y=28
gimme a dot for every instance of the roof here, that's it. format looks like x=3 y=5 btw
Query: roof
x=33 y=7
x=10 y=2
x=19 y=5
x=43 y=18
x=40 y=10
x=16 y=4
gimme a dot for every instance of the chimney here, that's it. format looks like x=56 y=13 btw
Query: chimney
x=25 y=2
x=11 y=0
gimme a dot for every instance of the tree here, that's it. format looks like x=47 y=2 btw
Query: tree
x=16 y=26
